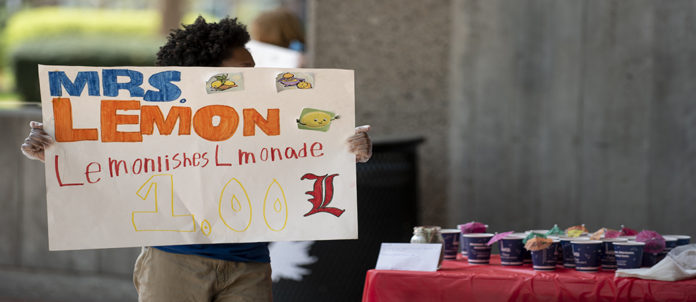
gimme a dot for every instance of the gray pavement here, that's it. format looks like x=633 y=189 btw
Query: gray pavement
x=56 y=286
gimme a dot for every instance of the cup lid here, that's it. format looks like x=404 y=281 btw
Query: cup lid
x=586 y=241
x=614 y=239
x=629 y=243
x=679 y=236
x=478 y=235
x=450 y=231
x=565 y=238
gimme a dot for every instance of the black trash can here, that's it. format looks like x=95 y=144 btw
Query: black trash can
x=387 y=212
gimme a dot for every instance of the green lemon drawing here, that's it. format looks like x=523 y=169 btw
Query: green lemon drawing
x=315 y=119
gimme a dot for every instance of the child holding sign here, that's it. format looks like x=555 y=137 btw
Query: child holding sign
x=203 y=272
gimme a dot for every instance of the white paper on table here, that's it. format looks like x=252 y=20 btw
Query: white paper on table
x=680 y=264
x=409 y=256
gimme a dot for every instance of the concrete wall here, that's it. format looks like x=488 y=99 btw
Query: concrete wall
x=535 y=111
x=576 y=112
x=27 y=269
x=400 y=53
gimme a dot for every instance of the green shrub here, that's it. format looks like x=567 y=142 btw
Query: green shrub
x=31 y=24
x=100 y=50
x=75 y=36
x=46 y=22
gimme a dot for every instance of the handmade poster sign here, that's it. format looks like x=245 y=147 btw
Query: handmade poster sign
x=191 y=155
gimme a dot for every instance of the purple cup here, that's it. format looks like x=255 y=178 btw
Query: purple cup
x=649 y=259
x=462 y=241
x=608 y=256
x=629 y=254
x=587 y=255
x=681 y=239
x=545 y=260
x=567 y=250
x=478 y=252
x=670 y=243
x=462 y=245
x=512 y=250
x=559 y=254
x=451 y=244
x=526 y=254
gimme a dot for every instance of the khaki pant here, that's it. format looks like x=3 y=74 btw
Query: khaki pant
x=162 y=276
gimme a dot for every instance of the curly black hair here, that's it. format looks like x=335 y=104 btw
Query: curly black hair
x=202 y=44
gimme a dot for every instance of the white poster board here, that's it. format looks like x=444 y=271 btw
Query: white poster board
x=192 y=155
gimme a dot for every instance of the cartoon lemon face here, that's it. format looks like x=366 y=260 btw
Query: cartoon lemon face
x=304 y=85
x=316 y=119
x=288 y=75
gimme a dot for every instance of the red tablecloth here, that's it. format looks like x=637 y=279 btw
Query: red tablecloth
x=459 y=281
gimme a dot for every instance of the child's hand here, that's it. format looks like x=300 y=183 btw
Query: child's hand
x=37 y=141
x=361 y=144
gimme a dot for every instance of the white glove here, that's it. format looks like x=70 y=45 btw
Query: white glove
x=361 y=144
x=37 y=141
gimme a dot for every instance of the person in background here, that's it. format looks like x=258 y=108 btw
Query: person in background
x=203 y=272
x=279 y=27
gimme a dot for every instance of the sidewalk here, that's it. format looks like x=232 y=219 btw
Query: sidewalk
x=53 y=286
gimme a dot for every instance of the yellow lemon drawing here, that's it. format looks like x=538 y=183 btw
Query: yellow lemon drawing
x=316 y=119
x=304 y=85
x=227 y=85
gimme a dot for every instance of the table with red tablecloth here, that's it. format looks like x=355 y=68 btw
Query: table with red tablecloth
x=460 y=281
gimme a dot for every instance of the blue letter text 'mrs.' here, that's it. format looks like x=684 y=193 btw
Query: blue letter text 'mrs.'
x=162 y=82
